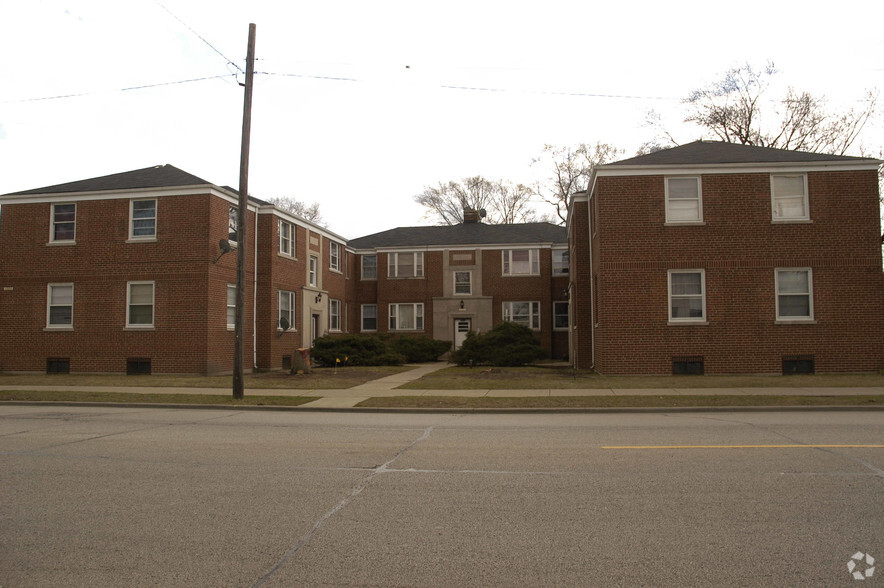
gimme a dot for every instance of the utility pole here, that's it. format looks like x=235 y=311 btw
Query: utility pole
x=241 y=219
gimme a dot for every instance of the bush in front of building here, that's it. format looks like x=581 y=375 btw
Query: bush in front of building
x=507 y=344
x=419 y=349
x=354 y=350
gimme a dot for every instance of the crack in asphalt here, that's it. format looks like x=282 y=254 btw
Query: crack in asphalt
x=373 y=473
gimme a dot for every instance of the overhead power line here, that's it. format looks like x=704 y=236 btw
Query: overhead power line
x=201 y=38
x=129 y=89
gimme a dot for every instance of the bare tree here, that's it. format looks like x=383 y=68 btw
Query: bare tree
x=503 y=202
x=309 y=212
x=732 y=110
x=571 y=169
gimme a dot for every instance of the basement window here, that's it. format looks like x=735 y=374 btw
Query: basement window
x=687 y=365
x=58 y=365
x=138 y=366
x=798 y=364
x=286 y=362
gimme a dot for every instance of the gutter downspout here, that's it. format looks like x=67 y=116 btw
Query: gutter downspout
x=592 y=317
x=255 y=301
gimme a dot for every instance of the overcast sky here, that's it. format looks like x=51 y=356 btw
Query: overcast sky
x=361 y=104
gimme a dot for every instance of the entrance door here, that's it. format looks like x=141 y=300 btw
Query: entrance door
x=314 y=329
x=461 y=328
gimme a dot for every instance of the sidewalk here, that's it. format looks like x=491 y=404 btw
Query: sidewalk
x=388 y=386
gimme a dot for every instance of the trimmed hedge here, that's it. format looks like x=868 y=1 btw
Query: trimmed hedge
x=507 y=344
x=374 y=350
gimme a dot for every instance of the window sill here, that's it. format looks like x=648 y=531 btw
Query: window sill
x=139 y=328
x=696 y=323
x=520 y=275
x=405 y=277
x=141 y=240
x=368 y=279
x=699 y=223
x=335 y=271
x=791 y=221
x=807 y=321
x=58 y=329
x=60 y=243
x=286 y=256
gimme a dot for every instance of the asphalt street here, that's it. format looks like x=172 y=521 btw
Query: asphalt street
x=181 y=497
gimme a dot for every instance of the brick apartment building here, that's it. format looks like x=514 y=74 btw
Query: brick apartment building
x=127 y=273
x=722 y=258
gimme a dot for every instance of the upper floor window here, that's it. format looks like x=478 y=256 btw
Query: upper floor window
x=334 y=315
x=334 y=256
x=64 y=222
x=140 y=304
x=407 y=317
x=789 y=197
x=687 y=295
x=313 y=271
x=369 y=267
x=60 y=306
x=521 y=262
x=560 y=259
x=231 y=225
x=523 y=313
x=794 y=294
x=406 y=265
x=142 y=219
x=463 y=283
x=286 y=238
x=684 y=200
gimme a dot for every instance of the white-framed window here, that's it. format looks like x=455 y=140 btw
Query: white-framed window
x=523 y=313
x=285 y=319
x=463 y=283
x=334 y=256
x=369 y=317
x=406 y=265
x=560 y=262
x=313 y=269
x=231 y=306
x=143 y=219
x=794 y=288
x=687 y=295
x=140 y=304
x=231 y=225
x=684 y=199
x=521 y=262
x=788 y=194
x=64 y=223
x=560 y=315
x=407 y=317
x=334 y=315
x=60 y=306
x=286 y=244
x=369 y=267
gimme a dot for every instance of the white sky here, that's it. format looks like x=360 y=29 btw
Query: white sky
x=364 y=146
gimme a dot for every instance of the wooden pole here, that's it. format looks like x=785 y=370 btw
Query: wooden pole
x=238 y=391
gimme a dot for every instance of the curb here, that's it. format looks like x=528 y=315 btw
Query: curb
x=393 y=410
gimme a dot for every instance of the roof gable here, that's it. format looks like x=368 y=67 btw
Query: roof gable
x=159 y=176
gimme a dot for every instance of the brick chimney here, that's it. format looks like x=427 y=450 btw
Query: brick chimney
x=470 y=216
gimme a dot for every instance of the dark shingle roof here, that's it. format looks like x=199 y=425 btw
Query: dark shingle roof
x=160 y=176
x=718 y=152
x=463 y=234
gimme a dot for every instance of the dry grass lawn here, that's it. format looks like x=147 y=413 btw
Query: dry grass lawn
x=562 y=378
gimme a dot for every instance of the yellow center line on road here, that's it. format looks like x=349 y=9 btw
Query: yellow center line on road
x=793 y=446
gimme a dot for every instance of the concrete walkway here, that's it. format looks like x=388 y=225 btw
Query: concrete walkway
x=389 y=386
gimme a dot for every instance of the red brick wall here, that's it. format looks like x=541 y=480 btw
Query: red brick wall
x=188 y=333
x=739 y=248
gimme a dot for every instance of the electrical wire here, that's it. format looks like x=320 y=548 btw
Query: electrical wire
x=201 y=38
x=129 y=89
